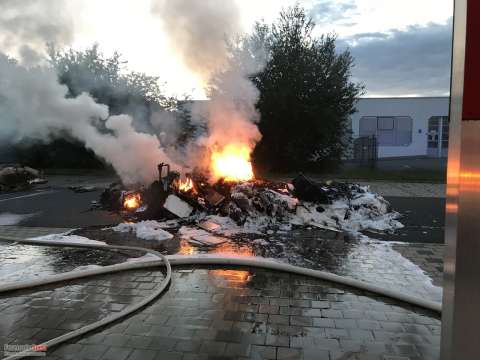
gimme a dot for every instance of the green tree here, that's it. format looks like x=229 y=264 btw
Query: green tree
x=306 y=96
x=109 y=82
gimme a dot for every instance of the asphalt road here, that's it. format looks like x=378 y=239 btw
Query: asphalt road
x=56 y=207
x=423 y=217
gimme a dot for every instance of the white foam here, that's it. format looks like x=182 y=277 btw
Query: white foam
x=364 y=211
x=67 y=238
x=147 y=230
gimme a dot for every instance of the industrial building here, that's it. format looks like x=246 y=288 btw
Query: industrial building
x=404 y=126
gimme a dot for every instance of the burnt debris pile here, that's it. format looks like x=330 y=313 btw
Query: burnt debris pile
x=254 y=205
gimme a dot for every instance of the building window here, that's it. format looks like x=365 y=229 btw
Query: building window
x=438 y=136
x=389 y=130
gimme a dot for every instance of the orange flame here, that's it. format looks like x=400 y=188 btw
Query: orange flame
x=132 y=201
x=185 y=185
x=232 y=163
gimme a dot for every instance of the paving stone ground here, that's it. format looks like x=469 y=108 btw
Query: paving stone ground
x=230 y=313
x=44 y=313
x=213 y=313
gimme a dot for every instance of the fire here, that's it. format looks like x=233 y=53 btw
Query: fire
x=185 y=185
x=232 y=163
x=132 y=201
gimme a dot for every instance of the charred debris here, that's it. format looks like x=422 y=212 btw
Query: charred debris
x=170 y=197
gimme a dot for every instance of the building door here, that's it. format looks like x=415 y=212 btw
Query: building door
x=437 y=136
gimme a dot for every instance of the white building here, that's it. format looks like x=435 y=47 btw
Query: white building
x=405 y=126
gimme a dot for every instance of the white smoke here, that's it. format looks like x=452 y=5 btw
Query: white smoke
x=26 y=26
x=34 y=105
x=200 y=32
x=197 y=30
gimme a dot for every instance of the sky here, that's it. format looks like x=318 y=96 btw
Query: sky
x=401 y=47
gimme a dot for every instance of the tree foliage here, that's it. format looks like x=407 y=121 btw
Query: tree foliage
x=108 y=81
x=306 y=96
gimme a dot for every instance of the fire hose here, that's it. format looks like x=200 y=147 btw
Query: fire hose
x=171 y=260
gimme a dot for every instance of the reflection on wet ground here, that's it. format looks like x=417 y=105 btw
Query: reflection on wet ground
x=414 y=268
x=19 y=262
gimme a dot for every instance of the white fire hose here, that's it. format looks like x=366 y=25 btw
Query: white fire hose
x=167 y=261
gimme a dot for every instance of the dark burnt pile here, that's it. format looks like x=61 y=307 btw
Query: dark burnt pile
x=254 y=204
x=171 y=196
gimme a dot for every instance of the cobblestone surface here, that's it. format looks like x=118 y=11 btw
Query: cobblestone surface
x=224 y=314
x=428 y=257
x=49 y=311
x=231 y=313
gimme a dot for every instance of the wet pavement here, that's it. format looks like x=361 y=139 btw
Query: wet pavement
x=363 y=259
x=231 y=313
x=22 y=262
x=415 y=268
x=211 y=313
x=32 y=317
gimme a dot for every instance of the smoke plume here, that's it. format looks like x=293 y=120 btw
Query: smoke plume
x=206 y=34
x=197 y=30
x=33 y=105
x=26 y=26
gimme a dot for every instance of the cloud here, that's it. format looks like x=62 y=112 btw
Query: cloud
x=414 y=61
x=333 y=11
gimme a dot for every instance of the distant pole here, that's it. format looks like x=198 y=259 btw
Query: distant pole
x=461 y=297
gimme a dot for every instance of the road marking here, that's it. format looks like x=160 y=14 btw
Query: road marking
x=29 y=195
